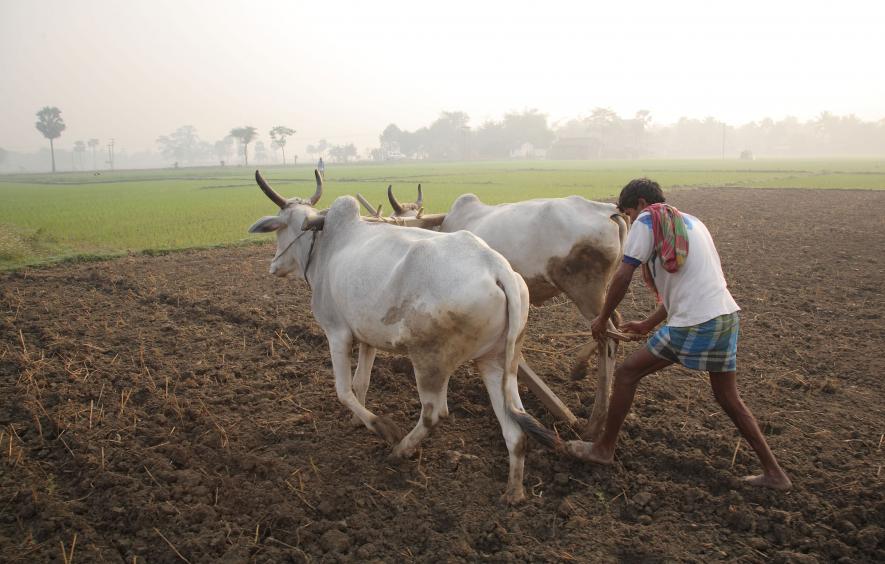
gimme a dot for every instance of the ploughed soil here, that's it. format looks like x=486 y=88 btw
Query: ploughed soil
x=182 y=408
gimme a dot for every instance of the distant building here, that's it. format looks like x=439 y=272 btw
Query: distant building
x=528 y=151
x=575 y=148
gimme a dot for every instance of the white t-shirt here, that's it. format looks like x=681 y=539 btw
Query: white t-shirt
x=695 y=293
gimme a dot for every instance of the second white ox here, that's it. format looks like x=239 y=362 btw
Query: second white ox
x=441 y=299
x=568 y=246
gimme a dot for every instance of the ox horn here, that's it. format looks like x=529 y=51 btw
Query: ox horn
x=265 y=187
x=397 y=208
x=374 y=212
x=420 y=199
x=318 y=194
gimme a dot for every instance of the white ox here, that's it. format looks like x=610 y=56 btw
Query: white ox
x=441 y=299
x=568 y=246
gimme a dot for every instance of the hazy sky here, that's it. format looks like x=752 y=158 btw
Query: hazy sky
x=135 y=70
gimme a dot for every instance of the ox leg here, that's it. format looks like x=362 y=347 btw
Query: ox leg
x=362 y=375
x=492 y=371
x=579 y=368
x=582 y=362
x=589 y=304
x=340 y=346
x=584 y=293
x=432 y=385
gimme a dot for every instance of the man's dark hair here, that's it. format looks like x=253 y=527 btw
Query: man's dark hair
x=644 y=188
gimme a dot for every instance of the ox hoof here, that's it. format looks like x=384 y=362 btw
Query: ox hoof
x=387 y=430
x=591 y=431
x=356 y=421
x=513 y=496
x=588 y=452
x=401 y=452
x=579 y=371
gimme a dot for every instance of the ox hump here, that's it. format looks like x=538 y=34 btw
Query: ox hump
x=466 y=200
x=464 y=209
x=344 y=210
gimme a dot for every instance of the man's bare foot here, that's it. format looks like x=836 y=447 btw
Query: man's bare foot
x=589 y=452
x=775 y=482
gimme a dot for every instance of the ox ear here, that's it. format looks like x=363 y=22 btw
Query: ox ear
x=267 y=224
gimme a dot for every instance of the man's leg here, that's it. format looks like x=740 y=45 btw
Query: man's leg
x=627 y=376
x=726 y=393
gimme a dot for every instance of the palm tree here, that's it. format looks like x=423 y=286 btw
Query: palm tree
x=93 y=143
x=245 y=135
x=79 y=149
x=278 y=135
x=50 y=124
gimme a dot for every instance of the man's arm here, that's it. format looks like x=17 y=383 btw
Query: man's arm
x=648 y=324
x=656 y=317
x=616 y=292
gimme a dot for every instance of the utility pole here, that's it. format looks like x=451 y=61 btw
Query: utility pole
x=111 y=154
x=723 y=140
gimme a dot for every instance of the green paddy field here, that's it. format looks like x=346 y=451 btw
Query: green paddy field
x=47 y=218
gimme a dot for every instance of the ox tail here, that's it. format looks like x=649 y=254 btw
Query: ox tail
x=517 y=297
x=623 y=227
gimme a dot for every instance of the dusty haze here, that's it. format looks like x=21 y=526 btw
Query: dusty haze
x=342 y=71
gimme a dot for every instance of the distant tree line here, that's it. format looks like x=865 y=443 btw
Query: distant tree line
x=451 y=138
x=603 y=134
x=184 y=146
x=51 y=125
x=606 y=135
x=338 y=153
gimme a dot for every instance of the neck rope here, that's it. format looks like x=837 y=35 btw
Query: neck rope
x=309 y=252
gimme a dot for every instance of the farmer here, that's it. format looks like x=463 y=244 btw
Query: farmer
x=680 y=264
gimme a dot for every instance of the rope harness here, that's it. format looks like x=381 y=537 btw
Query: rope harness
x=309 y=256
x=309 y=252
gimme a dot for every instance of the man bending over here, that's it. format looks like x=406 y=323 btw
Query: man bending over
x=680 y=264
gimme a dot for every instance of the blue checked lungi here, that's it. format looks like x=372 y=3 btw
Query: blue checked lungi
x=709 y=346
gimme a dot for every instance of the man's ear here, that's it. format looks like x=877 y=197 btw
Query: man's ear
x=641 y=203
x=267 y=224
